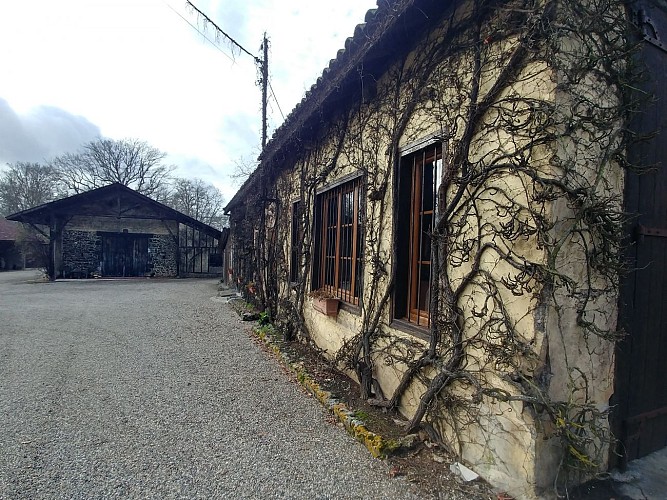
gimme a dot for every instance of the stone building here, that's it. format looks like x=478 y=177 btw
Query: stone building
x=116 y=231
x=458 y=181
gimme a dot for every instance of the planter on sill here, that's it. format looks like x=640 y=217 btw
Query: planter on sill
x=326 y=306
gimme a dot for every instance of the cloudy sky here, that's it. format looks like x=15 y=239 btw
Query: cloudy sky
x=74 y=70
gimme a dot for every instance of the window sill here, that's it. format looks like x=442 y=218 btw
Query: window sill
x=410 y=328
x=351 y=308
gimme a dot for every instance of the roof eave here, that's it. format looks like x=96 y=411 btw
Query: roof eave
x=379 y=23
x=40 y=213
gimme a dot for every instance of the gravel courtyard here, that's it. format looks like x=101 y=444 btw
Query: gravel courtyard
x=151 y=389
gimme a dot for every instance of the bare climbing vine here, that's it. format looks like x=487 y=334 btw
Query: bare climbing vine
x=530 y=100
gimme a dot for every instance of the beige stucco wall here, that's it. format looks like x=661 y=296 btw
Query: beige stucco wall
x=508 y=443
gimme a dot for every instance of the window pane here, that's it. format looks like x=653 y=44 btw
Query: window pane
x=297 y=237
x=427 y=190
x=424 y=288
x=348 y=207
x=419 y=174
x=339 y=241
x=346 y=241
x=329 y=271
x=358 y=281
x=332 y=212
x=345 y=281
x=426 y=238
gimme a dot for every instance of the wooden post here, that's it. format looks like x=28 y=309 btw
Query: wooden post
x=265 y=85
x=55 y=247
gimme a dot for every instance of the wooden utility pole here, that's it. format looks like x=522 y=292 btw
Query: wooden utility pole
x=265 y=85
x=263 y=65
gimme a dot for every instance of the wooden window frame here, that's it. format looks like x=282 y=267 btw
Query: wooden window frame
x=339 y=242
x=296 y=241
x=412 y=298
x=195 y=248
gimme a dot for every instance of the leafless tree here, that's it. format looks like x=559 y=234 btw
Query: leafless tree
x=243 y=167
x=131 y=162
x=25 y=185
x=198 y=199
x=35 y=247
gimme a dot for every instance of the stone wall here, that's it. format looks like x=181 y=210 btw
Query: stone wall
x=82 y=253
x=162 y=256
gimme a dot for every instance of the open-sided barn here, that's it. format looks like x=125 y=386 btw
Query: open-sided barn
x=466 y=182
x=116 y=231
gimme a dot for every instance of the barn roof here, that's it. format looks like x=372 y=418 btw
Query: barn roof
x=112 y=201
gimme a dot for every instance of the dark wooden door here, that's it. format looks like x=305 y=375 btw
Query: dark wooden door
x=641 y=376
x=124 y=254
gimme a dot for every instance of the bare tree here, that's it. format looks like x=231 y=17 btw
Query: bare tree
x=34 y=246
x=199 y=200
x=131 y=162
x=243 y=168
x=24 y=185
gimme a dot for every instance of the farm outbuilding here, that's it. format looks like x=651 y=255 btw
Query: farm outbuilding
x=479 y=187
x=114 y=231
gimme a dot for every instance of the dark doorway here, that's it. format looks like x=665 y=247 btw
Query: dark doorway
x=641 y=384
x=124 y=254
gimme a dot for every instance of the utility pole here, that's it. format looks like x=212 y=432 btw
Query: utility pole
x=262 y=63
x=265 y=85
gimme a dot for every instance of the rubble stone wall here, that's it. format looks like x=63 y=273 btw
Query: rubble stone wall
x=82 y=253
x=163 y=255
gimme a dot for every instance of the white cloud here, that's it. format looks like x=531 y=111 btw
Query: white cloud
x=136 y=69
x=42 y=133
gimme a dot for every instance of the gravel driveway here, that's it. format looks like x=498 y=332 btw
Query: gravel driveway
x=150 y=389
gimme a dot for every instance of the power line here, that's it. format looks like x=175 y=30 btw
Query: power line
x=228 y=37
x=273 y=94
x=262 y=63
x=275 y=98
x=201 y=33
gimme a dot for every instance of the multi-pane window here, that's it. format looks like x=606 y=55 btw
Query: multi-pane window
x=418 y=178
x=340 y=241
x=199 y=252
x=297 y=241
